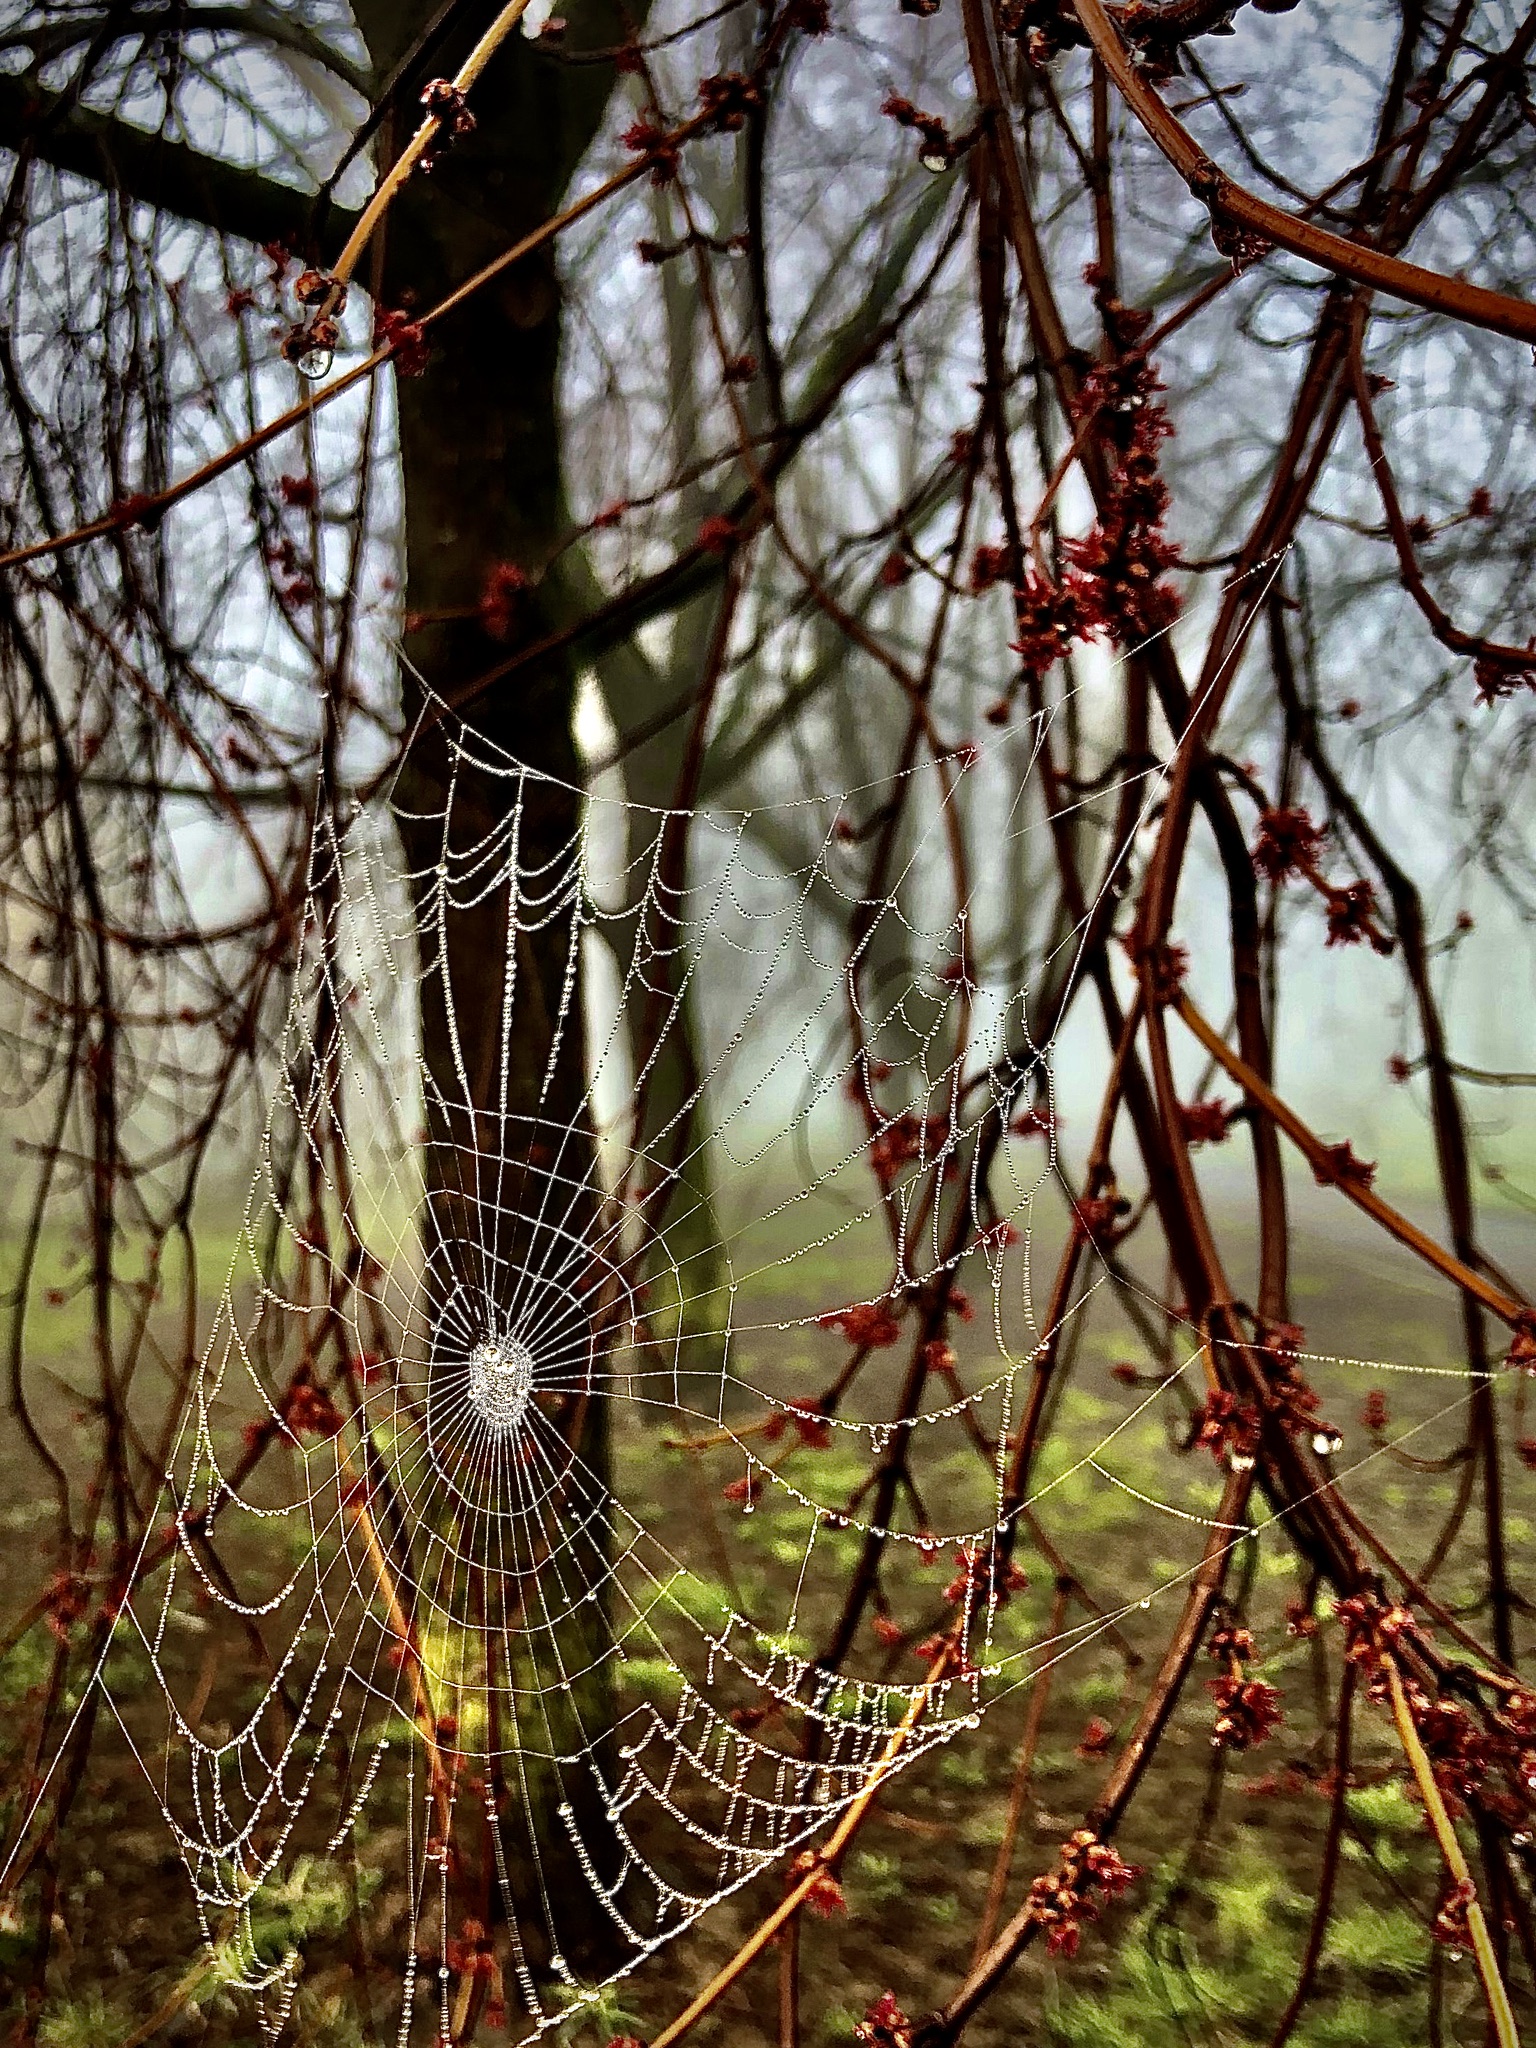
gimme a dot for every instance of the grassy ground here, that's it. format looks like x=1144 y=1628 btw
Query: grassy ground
x=1205 y=1948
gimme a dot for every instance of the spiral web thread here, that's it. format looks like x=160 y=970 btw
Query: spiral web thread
x=426 y=1518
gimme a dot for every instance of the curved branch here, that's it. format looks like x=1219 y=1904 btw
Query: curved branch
x=1496 y=661
x=1230 y=203
x=1516 y=1313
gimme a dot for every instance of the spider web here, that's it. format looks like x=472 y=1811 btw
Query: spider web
x=418 y=1474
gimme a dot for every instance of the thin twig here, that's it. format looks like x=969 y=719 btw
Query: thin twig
x=1499 y=2011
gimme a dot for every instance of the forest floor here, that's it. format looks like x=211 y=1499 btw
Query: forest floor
x=1202 y=1952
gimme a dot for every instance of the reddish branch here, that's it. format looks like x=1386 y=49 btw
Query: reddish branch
x=1231 y=207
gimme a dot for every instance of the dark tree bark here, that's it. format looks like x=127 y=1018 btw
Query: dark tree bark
x=480 y=451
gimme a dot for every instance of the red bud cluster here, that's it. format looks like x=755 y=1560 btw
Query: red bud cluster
x=884 y=2025
x=1226 y=1427
x=406 y=337
x=870 y=1325
x=810 y=1424
x=646 y=138
x=1206 y=1123
x=727 y=99
x=1064 y=1900
x=445 y=102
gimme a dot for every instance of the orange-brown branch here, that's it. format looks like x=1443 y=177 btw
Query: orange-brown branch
x=1506 y=1306
x=1475 y=304
x=795 y=1898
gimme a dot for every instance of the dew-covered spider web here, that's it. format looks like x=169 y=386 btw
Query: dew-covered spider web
x=712 y=1198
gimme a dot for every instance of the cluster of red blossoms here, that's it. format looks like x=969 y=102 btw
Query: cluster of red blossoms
x=304 y=1410
x=396 y=330
x=1464 y=1753
x=903 y=1141
x=1500 y=676
x=944 y=1643
x=871 y=1325
x=1288 y=844
x=501 y=598
x=1047 y=618
x=1228 y=1428
x=66 y=1597
x=648 y=139
x=1163 y=969
x=1351 y=912
x=1340 y=1165
x=983 y=1570
x=1061 y=1901
x=1125 y=556
x=884 y=2025
x=810 y=1424
x=935 y=146
x=1451 y=1927
x=1044 y=28
x=1295 y=1403
x=825 y=1897
x=1371 y=1627
x=445 y=102
x=1460 y=1753
x=295 y=586
x=727 y=99
x=1207 y=1122
x=1113 y=584
x=989 y=565
x=811 y=17
x=1155 y=34
x=1102 y=1216
x=1468 y=1756
x=1247 y=1710
x=323 y=299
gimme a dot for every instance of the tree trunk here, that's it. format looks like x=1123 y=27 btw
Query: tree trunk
x=480 y=449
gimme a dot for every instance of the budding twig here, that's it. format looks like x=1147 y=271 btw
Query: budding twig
x=1505 y=1306
x=1499 y=2012
x=421 y=142
x=837 y=1842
